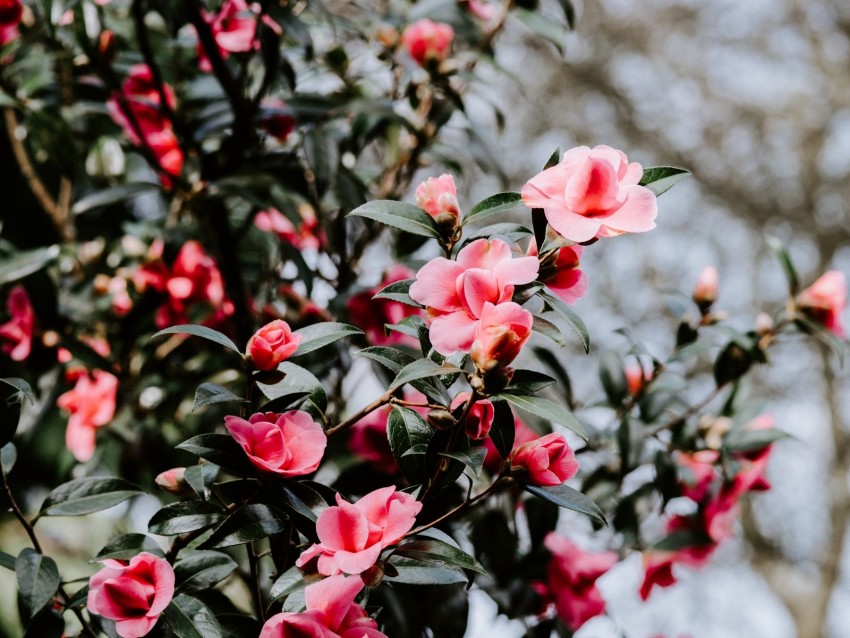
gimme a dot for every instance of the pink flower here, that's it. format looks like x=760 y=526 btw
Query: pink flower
x=368 y=440
x=373 y=314
x=481 y=9
x=234 y=28
x=455 y=291
x=698 y=470
x=572 y=580
x=427 y=41
x=289 y=444
x=331 y=613
x=825 y=300
x=437 y=196
x=705 y=290
x=16 y=334
x=272 y=344
x=11 y=12
x=307 y=236
x=500 y=335
x=134 y=594
x=523 y=434
x=562 y=275
x=276 y=118
x=480 y=417
x=352 y=536
x=752 y=464
x=548 y=460
x=91 y=403
x=636 y=378
x=173 y=480
x=593 y=193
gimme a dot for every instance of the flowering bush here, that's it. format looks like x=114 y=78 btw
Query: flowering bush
x=334 y=448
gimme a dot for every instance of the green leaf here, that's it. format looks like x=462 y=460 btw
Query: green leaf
x=209 y=393
x=110 y=196
x=529 y=382
x=249 y=523
x=126 y=546
x=511 y=232
x=613 y=377
x=319 y=335
x=421 y=369
x=503 y=431
x=201 y=477
x=395 y=360
x=22 y=387
x=297 y=380
x=220 y=449
x=190 y=618
x=660 y=179
x=437 y=551
x=406 y=429
x=291 y=581
x=417 y=572
x=406 y=217
x=682 y=539
x=38 y=580
x=183 y=517
x=87 y=495
x=7 y=561
x=79 y=598
x=547 y=329
x=567 y=314
x=750 y=440
x=546 y=409
x=543 y=26
x=566 y=497
x=200 y=331
x=201 y=570
x=8 y=456
x=397 y=291
x=569 y=12
x=473 y=459
x=784 y=258
x=22 y=264
x=493 y=205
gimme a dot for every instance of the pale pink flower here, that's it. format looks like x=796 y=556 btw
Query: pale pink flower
x=593 y=193
x=548 y=460
x=371 y=315
x=352 y=536
x=132 y=594
x=272 y=344
x=427 y=41
x=438 y=196
x=234 y=28
x=705 y=290
x=288 y=444
x=480 y=417
x=330 y=613
x=16 y=334
x=563 y=275
x=825 y=300
x=500 y=335
x=455 y=291
x=91 y=403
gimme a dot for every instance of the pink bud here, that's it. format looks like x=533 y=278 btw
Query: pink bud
x=548 y=460
x=427 y=41
x=272 y=344
x=173 y=480
x=501 y=334
x=825 y=300
x=480 y=417
x=437 y=196
x=705 y=291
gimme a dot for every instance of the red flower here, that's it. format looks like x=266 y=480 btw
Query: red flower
x=272 y=344
x=16 y=334
x=548 y=460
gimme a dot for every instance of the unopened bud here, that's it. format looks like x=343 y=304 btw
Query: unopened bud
x=173 y=480
x=441 y=419
x=705 y=291
x=106 y=47
x=764 y=324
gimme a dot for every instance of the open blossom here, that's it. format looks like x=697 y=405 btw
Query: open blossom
x=480 y=417
x=437 y=196
x=16 y=334
x=548 y=460
x=825 y=300
x=330 y=613
x=288 y=444
x=132 y=594
x=572 y=576
x=371 y=315
x=593 y=193
x=500 y=335
x=272 y=344
x=455 y=292
x=427 y=41
x=352 y=536
x=563 y=275
x=234 y=28
x=91 y=403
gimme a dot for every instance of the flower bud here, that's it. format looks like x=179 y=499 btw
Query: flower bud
x=500 y=335
x=428 y=42
x=764 y=324
x=271 y=345
x=437 y=196
x=548 y=460
x=705 y=291
x=479 y=419
x=825 y=300
x=173 y=480
x=106 y=47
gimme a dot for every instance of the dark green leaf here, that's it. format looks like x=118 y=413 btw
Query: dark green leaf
x=395 y=360
x=473 y=459
x=571 y=317
x=567 y=497
x=421 y=369
x=744 y=440
x=511 y=232
x=8 y=456
x=291 y=581
x=126 y=546
x=554 y=158
x=406 y=429
x=503 y=431
x=7 y=561
x=546 y=409
x=201 y=477
x=87 y=495
x=184 y=517
x=209 y=393
x=569 y=12
x=682 y=539
x=406 y=217
x=493 y=205
x=322 y=334
x=201 y=570
x=249 y=523
x=79 y=598
x=417 y=572
x=784 y=258
x=112 y=195
x=543 y=26
x=220 y=449
x=297 y=380
x=437 y=551
x=613 y=377
x=200 y=331
x=549 y=330
x=26 y=263
x=190 y=618
x=529 y=382
x=22 y=387
x=38 y=580
x=660 y=179
x=397 y=291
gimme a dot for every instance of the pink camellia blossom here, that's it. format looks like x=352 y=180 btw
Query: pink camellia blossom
x=427 y=41
x=234 y=28
x=331 y=613
x=272 y=344
x=455 y=292
x=352 y=536
x=705 y=290
x=563 y=275
x=572 y=579
x=288 y=444
x=523 y=434
x=132 y=594
x=500 y=335
x=273 y=221
x=480 y=417
x=276 y=118
x=16 y=334
x=437 y=196
x=11 y=12
x=593 y=193
x=371 y=315
x=697 y=472
x=548 y=460
x=825 y=300
x=91 y=403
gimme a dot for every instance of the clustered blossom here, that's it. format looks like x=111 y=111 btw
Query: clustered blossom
x=11 y=12
x=16 y=334
x=91 y=404
x=288 y=444
x=428 y=42
x=271 y=345
x=548 y=460
x=139 y=104
x=371 y=315
x=133 y=593
x=352 y=536
x=330 y=613
x=825 y=300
